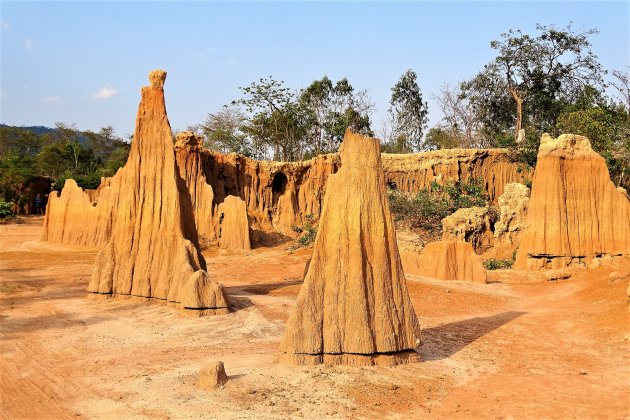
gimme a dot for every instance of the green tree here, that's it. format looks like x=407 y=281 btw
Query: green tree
x=608 y=128
x=317 y=98
x=15 y=172
x=440 y=138
x=305 y=123
x=330 y=110
x=541 y=74
x=277 y=119
x=409 y=112
x=22 y=142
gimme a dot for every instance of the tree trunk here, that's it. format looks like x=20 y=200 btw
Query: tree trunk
x=519 y=111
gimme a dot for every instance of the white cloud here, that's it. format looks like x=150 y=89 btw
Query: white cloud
x=51 y=100
x=105 y=92
x=4 y=24
x=28 y=44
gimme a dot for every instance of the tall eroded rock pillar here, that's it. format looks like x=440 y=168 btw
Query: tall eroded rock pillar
x=152 y=251
x=354 y=307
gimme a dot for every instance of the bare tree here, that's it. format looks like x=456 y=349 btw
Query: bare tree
x=622 y=85
x=459 y=118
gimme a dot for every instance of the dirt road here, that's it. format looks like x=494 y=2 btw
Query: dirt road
x=548 y=349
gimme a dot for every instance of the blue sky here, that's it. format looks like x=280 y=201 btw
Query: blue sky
x=84 y=62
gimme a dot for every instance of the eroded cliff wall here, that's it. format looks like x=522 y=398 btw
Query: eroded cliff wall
x=278 y=195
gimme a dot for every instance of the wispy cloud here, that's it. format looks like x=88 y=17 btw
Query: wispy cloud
x=51 y=100
x=4 y=24
x=28 y=44
x=105 y=92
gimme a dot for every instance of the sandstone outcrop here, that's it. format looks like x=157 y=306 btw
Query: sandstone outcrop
x=73 y=218
x=451 y=260
x=152 y=249
x=354 y=307
x=512 y=214
x=575 y=212
x=234 y=228
x=67 y=209
x=212 y=377
x=471 y=225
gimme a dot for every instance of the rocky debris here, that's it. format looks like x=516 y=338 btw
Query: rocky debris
x=471 y=225
x=602 y=261
x=555 y=275
x=152 y=249
x=575 y=213
x=234 y=228
x=512 y=215
x=212 y=377
x=354 y=307
x=451 y=260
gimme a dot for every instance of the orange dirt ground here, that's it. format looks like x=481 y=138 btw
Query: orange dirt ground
x=556 y=349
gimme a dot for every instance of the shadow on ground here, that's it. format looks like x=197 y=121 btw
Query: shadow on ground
x=445 y=340
x=262 y=288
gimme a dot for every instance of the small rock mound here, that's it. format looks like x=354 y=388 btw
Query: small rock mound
x=212 y=377
x=451 y=260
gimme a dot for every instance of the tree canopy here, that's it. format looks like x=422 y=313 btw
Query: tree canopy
x=59 y=154
x=409 y=113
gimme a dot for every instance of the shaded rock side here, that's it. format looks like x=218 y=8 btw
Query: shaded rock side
x=575 y=212
x=471 y=225
x=512 y=215
x=234 y=226
x=450 y=260
x=354 y=307
x=152 y=250
x=202 y=198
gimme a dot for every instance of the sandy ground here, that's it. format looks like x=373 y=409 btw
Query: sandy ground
x=550 y=349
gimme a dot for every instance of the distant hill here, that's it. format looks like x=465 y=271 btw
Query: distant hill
x=35 y=129
x=38 y=130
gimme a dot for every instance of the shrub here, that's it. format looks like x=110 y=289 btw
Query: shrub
x=308 y=232
x=430 y=205
x=5 y=209
x=494 y=264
